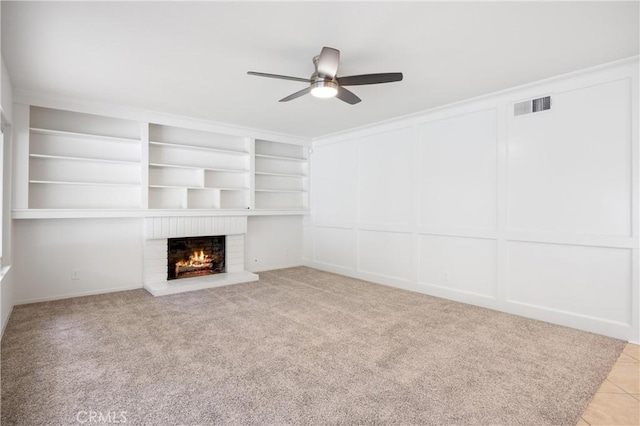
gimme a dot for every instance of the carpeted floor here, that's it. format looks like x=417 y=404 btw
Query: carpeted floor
x=299 y=346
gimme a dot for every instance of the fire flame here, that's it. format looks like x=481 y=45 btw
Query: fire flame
x=199 y=263
x=196 y=259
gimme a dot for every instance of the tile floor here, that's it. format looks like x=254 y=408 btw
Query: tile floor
x=617 y=402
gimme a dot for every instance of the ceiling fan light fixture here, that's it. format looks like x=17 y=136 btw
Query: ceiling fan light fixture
x=324 y=89
x=325 y=83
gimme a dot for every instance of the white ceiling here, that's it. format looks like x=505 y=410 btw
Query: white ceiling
x=192 y=58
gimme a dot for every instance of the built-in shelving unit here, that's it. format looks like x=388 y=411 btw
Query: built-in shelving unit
x=75 y=164
x=281 y=175
x=193 y=169
x=82 y=161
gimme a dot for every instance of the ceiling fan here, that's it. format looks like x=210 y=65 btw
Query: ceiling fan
x=325 y=83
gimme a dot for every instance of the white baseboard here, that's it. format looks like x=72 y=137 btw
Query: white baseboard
x=76 y=294
x=567 y=319
x=274 y=267
x=4 y=325
x=5 y=317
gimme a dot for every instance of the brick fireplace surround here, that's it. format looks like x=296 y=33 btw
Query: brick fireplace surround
x=159 y=229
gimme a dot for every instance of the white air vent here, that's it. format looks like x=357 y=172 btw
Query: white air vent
x=533 y=105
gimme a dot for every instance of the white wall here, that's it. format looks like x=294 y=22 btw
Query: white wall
x=6 y=277
x=273 y=242
x=535 y=215
x=106 y=252
x=6 y=92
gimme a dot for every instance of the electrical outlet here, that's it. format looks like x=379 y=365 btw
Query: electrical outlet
x=445 y=277
x=75 y=274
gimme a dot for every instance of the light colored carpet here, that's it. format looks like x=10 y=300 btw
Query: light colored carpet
x=299 y=346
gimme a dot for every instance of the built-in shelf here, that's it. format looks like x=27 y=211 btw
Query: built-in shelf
x=65 y=133
x=280 y=176
x=292 y=211
x=93 y=160
x=194 y=169
x=135 y=213
x=281 y=190
x=110 y=167
x=277 y=157
x=198 y=187
x=179 y=166
x=52 y=182
x=83 y=161
x=199 y=148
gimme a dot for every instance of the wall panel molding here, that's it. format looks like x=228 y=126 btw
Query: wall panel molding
x=580 y=268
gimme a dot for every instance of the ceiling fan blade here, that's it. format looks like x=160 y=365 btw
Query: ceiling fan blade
x=347 y=96
x=296 y=95
x=328 y=62
x=358 y=80
x=281 y=77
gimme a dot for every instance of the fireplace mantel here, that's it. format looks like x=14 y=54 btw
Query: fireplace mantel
x=142 y=213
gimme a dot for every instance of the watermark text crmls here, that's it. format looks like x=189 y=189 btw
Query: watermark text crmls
x=111 y=417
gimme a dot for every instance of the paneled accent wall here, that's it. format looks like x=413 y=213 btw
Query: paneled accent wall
x=535 y=215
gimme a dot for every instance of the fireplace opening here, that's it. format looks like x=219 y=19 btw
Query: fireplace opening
x=195 y=256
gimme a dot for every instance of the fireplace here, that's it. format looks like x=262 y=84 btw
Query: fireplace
x=174 y=248
x=195 y=256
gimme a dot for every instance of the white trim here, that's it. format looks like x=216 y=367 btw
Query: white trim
x=77 y=294
x=567 y=319
x=274 y=267
x=481 y=102
x=88 y=213
x=3 y=273
x=4 y=326
x=529 y=237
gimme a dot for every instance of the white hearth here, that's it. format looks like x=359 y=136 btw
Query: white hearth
x=159 y=229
